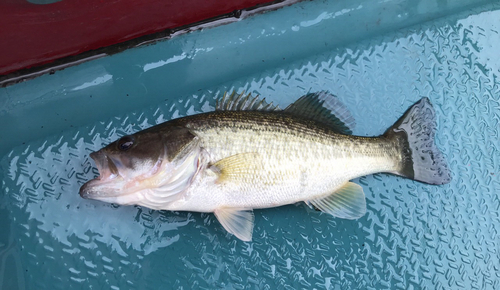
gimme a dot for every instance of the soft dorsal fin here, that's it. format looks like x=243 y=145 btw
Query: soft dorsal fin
x=325 y=108
x=242 y=102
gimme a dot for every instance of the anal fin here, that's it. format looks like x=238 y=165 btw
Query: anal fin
x=237 y=222
x=348 y=202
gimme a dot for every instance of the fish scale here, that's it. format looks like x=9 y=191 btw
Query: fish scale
x=282 y=130
x=291 y=148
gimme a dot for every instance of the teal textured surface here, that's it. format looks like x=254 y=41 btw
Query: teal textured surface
x=413 y=236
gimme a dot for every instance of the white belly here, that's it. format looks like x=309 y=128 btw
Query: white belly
x=284 y=182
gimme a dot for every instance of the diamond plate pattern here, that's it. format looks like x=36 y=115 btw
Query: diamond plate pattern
x=414 y=236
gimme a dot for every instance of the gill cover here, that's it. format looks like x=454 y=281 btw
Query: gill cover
x=173 y=179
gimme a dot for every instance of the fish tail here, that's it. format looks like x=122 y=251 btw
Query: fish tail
x=414 y=133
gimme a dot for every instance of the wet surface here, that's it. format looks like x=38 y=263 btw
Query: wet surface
x=413 y=236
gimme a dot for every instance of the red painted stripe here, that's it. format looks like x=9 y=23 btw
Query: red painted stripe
x=32 y=35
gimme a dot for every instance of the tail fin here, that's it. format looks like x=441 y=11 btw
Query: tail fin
x=415 y=131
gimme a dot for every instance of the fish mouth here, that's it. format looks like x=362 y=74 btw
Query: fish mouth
x=106 y=184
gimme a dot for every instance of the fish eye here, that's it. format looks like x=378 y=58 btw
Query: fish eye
x=125 y=143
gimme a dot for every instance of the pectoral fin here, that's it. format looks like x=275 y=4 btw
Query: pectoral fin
x=237 y=222
x=239 y=167
x=348 y=202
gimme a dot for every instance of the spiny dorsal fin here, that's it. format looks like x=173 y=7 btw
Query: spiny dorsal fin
x=348 y=202
x=324 y=108
x=242 y=102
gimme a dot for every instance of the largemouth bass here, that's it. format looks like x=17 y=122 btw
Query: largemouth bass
x=249 y=154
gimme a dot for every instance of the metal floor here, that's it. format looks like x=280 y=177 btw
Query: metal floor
x=378 y=58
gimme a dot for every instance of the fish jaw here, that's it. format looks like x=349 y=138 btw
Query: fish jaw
x=115 y=183
x=108 y=184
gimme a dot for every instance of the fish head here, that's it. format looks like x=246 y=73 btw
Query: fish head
x=134 y=167
x=123 y=165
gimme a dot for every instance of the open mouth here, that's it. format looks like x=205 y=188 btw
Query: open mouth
x=106 y=167
x=107 y=174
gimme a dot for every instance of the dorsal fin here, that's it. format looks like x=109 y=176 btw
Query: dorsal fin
x=242 y=102
x=324 y=108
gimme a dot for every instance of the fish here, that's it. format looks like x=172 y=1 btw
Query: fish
x=249 y=154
